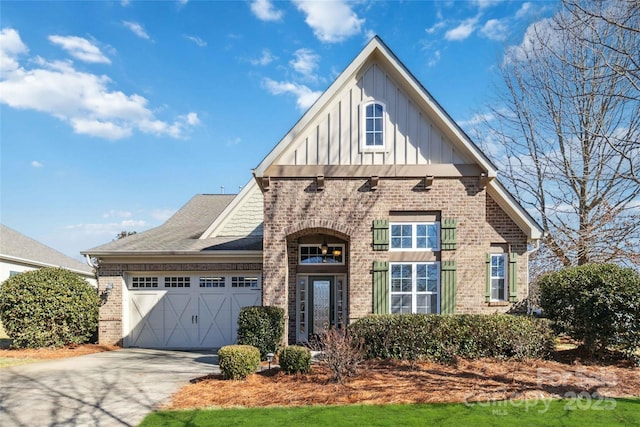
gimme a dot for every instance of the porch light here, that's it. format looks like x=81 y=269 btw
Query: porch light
x=336 y=252
x=324 y=248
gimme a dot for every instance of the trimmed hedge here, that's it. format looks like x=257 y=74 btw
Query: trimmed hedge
x=598 y=304
x=295 y=359
x=237 y=362
x=443 y=338
x=49 y=307
x=261 y=327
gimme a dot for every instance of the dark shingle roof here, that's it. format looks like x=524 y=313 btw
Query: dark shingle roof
x=17 y=246
x=181 y=232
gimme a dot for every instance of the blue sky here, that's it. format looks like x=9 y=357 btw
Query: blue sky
x=115 y=113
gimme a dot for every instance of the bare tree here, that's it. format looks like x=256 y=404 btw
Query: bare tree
x=569 y=126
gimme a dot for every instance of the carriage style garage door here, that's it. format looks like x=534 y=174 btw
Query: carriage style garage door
x=188 y=312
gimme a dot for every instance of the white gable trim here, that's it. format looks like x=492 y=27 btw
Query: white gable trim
x=225 y=216
x=377 y=49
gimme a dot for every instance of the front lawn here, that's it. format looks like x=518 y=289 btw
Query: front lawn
x=579 y=411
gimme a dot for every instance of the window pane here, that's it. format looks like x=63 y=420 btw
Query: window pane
x=497 y=289
x=401 y=236
x=370 y=124
x=378 y=110
x=369 y=112
x=377 y=139
x=421 y=277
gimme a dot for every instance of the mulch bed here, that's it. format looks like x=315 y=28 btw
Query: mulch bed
x=385 y=382
x=56 y=353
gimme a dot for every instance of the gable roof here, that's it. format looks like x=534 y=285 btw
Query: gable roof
x=377 y=51
x=181 y=233
x=17 y=247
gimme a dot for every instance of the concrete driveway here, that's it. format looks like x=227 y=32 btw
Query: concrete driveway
x=116 y=388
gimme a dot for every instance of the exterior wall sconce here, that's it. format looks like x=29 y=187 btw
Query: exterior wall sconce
x=320 y=182
x=105 y=294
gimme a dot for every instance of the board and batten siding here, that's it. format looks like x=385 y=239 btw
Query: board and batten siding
x=334 y=137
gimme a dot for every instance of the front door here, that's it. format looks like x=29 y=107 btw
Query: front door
x=321 y=304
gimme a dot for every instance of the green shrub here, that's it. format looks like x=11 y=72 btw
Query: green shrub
x=444 y=338
x=261 y=327
x=237 y=362
x=598 y=304
x=50 y=307
x=295 y=359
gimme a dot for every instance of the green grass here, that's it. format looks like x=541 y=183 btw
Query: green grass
x=566 y=412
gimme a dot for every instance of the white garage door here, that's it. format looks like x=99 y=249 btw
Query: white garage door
x=188 y=312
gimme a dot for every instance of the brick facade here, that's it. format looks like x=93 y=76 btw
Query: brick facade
x=346 y=208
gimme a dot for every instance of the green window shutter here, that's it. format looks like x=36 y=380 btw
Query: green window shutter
x=380 y=287
x=381 y=235
x=513 y=277
x=448 y=279
x=449 y=234
x=487 y=292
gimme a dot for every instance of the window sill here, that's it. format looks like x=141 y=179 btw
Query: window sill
x=498 y=303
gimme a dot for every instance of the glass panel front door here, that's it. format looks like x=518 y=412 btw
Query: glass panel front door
x=321 y=304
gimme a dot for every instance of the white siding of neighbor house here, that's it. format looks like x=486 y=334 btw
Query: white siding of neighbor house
x=248 y=220
x=334 y=137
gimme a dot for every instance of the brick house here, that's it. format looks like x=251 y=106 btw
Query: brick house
x=374 y=202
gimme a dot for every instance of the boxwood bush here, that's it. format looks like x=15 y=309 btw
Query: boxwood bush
x=444 y=338
x=598 y=304
x=295 y=359
x=237 y=362
x=50 y=307
x=261 y=327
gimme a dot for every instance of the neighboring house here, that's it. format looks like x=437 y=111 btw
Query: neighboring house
x=374 y=202
x=19 y=253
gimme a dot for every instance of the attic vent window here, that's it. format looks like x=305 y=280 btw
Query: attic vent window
x=374 y=125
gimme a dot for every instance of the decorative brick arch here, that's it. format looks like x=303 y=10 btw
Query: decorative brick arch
x=319 y=226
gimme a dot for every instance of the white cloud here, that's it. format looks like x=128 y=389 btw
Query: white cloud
x=462 y=31
x=264 y=10
x=125 y=3
x=495 y=29
x=305 y=97
x=265 y=59
x=233 y=141
x=162 y=214
x=331 y=22
x=541 y=30
x=113 y=213
x=11 y=47
x=83 y=100
x=477 y=119
x=524 y=10
x=136 y=29
x=434 y=59
x=305 y=62
x=80 y=48
x=182 y=3
x=110 y=229
x=483 y=4
x=197 y=40
x=435 y=27
x=36 y=164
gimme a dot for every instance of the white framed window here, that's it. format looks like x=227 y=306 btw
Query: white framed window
x=417 y=236
x=212 y=282
x=415 y=287
x=499 y=277
x=141 y=282
x=244 y=282
x=373 y=126
x=312 y=254
x=177 y=282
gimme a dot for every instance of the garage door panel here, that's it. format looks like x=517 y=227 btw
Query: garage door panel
x=146 y=314
x=215 y=321
x=179 y=318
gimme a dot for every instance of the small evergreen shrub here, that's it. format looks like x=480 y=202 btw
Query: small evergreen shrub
x=444 y=338
x=261 y=327
x=237 y=362
x=598 y=304
x=49 y=307
x=295 y=359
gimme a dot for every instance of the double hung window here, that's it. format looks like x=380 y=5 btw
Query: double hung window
x=415 y=287
x=374 y=125
x=499 y=277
